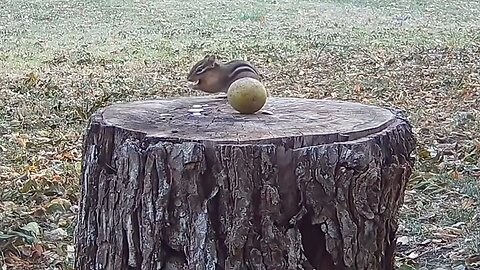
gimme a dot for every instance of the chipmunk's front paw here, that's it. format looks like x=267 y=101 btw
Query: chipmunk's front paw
x=193 y=85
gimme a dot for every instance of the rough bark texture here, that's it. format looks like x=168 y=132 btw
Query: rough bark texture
x=315 y=185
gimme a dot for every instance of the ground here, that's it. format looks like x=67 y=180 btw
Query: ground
x=60 y=60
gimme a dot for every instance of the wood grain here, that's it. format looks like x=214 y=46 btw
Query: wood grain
x=309 y=121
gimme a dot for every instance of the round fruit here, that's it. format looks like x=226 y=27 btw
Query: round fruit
x=247 y=95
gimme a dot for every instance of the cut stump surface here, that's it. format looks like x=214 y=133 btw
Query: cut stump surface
x=324 y=121
x=189 y=183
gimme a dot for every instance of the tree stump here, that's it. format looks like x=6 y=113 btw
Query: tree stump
x=314 y=184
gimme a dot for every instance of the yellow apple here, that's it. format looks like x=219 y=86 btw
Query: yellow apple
x=247 y=95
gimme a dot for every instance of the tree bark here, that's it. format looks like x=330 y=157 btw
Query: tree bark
x=311 y=184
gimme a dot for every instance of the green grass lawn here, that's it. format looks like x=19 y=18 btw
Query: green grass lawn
x=61 y=60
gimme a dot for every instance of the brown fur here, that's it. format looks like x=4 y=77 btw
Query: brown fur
x=216 y=77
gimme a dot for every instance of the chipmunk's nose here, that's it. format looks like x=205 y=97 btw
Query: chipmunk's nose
x=191 y=78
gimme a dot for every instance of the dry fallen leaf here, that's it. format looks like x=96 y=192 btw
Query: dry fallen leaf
x=403 y=240
x=468 y=203
x=445 y=236
x=357 y=88
x=426 y=242
x=413 y=255
x=456 y=175
x=473 y=259
x=22 y=140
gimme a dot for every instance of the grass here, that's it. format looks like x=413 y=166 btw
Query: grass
x=126 y=31
x=61 y=60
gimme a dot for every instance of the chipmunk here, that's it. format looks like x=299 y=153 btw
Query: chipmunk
x=212 y=76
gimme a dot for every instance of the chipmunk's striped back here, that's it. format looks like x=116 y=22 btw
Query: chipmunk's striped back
x=213 y=77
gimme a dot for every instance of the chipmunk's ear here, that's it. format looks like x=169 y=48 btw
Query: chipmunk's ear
x=210 y=57
x=212 y=60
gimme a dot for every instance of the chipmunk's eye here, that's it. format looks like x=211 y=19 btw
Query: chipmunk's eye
x=200 y=69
